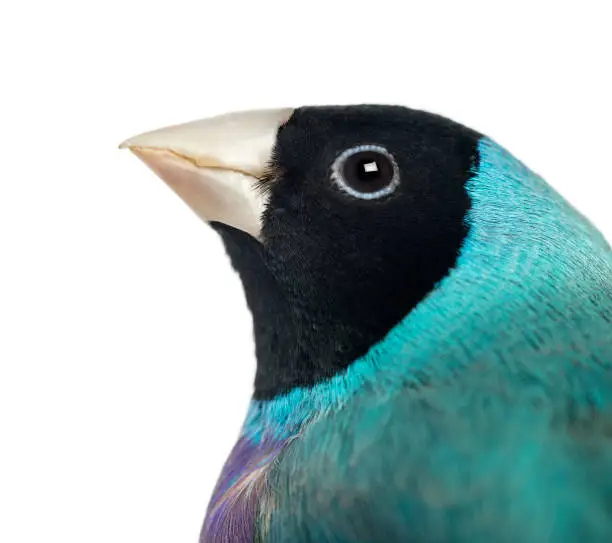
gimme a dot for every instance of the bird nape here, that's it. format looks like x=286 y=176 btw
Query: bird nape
x=432 y=328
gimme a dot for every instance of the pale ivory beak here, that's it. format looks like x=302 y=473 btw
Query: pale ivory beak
x=213 y=164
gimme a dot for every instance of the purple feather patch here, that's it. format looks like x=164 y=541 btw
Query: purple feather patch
x=239 y=491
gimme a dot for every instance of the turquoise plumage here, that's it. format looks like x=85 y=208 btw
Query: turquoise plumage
x=494 y=387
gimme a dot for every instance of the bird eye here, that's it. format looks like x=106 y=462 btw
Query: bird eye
x=367 y=172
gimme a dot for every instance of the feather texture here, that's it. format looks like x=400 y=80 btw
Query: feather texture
x=485 y=415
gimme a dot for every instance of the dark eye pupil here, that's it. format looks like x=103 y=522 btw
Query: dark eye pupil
x=368 y=171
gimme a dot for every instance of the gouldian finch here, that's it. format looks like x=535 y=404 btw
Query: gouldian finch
x=432 y=326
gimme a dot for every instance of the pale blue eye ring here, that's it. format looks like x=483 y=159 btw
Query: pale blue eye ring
x=367 y=172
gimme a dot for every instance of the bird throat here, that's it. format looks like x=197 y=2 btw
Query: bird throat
x=307 y=329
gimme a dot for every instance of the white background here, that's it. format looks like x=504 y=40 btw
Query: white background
x=125 y=347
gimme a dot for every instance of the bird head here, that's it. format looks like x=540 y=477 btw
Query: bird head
x=339 y=220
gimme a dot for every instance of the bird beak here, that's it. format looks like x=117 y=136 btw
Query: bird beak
x=213 y=164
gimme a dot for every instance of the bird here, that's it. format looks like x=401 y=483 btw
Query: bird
x=432 y=329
